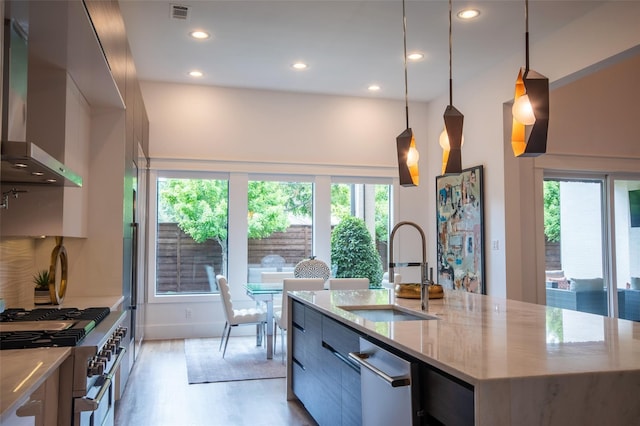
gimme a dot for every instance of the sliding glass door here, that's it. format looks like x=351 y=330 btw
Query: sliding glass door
x=592 y=237
x=575 y=235
x=626 y=225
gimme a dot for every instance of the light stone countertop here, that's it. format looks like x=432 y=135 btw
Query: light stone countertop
x=506 y=348
x=22 y=371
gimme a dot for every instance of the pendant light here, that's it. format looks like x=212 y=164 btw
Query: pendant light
x=451 y=137
x=408 y=155
x=530 y=107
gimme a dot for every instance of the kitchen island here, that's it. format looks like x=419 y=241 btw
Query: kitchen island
x=521 y=363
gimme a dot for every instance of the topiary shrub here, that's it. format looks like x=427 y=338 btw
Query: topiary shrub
x=353 y=254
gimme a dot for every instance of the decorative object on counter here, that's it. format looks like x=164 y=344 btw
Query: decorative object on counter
x=408 y=155
x=311 y=268
x=41 y=290
x=413 y=291
x=354 y=253
x=530 y=107
x=460 y=227
x=451 y=137
x=56 y=291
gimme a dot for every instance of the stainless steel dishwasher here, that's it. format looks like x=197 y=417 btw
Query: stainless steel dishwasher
x=388 y=386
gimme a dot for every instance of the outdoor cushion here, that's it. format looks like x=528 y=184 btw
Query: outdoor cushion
x=557 y=278
x=586 y=284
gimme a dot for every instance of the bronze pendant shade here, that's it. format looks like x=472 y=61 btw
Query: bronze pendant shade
x=531 y=140
x=451 y=138
x=530 y=107
x=405 y=142
x=452 y=158
x=407 y=171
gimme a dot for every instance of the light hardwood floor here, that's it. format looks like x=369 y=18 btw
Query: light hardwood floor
x=158 y=394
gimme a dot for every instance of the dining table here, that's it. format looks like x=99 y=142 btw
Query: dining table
x=264 y=292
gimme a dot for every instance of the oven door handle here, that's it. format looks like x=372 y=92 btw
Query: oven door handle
x=91 y=404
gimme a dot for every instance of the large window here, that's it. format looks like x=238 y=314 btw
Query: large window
x=280 y=228
x=191 y=235
x=243 y=226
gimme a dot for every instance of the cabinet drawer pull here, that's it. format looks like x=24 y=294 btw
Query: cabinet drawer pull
x=394 y=382
x=30 y=409
x=341 y=357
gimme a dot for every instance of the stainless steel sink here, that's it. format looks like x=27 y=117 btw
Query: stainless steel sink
x=386 y=313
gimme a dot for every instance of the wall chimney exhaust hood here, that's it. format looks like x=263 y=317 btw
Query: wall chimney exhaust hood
x=23 y=162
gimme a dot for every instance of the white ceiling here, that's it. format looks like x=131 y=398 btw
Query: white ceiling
x=347 y=44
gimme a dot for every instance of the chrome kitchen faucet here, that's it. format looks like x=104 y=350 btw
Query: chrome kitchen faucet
x=424 y=281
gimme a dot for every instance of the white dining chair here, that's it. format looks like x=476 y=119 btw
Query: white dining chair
x=348 y=283
x=280 y=317
x=237 y=317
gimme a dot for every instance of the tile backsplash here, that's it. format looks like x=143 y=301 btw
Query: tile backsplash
x=17 y=267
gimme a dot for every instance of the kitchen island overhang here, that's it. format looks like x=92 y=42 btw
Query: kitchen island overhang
x=527 y=363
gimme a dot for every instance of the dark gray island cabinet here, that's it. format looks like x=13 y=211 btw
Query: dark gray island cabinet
x=474 y=360
x=328 y=383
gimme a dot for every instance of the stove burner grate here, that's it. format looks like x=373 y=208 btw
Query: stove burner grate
x=35 y=339
x=53 y=314
x=86 y=319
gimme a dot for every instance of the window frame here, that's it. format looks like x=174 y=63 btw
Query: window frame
x=154 y=175
x=237 y=232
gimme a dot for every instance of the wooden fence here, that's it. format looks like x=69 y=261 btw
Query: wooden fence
x=181 y=261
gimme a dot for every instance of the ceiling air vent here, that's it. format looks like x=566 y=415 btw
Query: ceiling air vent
x=179 y=12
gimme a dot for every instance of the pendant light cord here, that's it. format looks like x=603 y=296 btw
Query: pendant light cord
x=406 y=84
x=526 y=34
x=450 y=67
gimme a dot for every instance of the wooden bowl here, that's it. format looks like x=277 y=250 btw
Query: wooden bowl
x=412 y=291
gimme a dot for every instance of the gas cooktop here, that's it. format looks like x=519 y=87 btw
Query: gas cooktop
x=44 y=327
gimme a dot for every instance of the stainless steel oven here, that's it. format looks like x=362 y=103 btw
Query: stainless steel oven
x=87 y=383
x=96 y=369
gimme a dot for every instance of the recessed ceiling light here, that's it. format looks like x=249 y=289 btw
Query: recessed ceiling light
x=299 y=66
x=200 y=35
x=415 y=56
x=468 y=13
x=195 y=73
x=373 y=88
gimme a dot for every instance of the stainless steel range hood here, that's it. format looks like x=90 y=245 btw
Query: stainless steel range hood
x=23 y=162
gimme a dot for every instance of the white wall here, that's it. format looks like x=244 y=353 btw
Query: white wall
x=510 y=219
x=259 y=131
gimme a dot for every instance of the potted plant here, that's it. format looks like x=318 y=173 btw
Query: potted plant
x=41 y=281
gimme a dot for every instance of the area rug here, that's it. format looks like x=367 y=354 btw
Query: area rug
x=243 y=361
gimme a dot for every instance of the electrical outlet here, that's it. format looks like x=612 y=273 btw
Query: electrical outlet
x=187 y=313
x=495 y=245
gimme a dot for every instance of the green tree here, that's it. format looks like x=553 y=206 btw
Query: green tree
x=353 y=251
x=382 y=212
x=552 y=210
x=200 y=208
